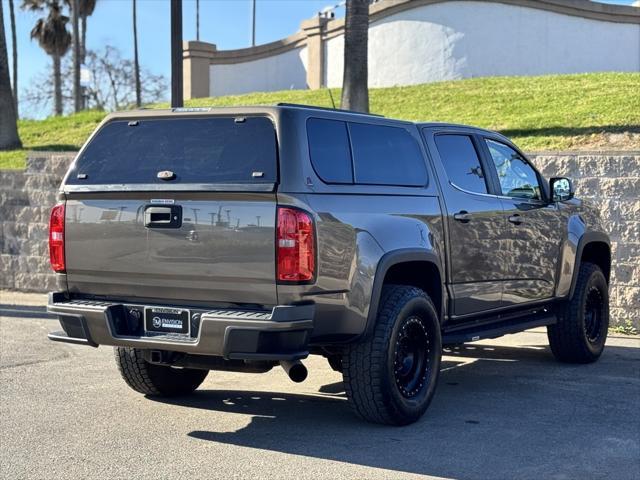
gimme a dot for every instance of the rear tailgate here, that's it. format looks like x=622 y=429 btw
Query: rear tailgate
x=177 y=210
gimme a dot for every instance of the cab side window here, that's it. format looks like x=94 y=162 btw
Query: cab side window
x=365 y=154
x=517 y=178
x=385 y=155
x=461 y=162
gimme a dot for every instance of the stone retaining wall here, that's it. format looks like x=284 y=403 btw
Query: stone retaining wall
x=610 y=180
x=612 y=183
x=26 y=198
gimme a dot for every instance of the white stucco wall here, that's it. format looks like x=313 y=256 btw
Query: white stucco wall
x=285 y=71
x=462 y=39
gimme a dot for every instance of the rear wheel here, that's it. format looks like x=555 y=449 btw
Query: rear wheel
x=151 y=379
x=581 y=331
x=391 y=376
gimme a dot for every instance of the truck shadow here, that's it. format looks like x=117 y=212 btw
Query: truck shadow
x=499 y=412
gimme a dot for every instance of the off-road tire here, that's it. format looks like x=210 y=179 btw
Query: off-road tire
x=370 y=369
x=577 y=337
x=156 y=380
x=335 y=362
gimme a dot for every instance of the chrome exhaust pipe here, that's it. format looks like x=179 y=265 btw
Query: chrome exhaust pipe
x=296 y=371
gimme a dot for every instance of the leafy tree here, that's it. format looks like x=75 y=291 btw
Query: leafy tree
x=9 y=138
x=112 y=85
x=53 y=37
x=355 y=90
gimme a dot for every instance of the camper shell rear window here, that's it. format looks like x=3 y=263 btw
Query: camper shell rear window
x=205 y=150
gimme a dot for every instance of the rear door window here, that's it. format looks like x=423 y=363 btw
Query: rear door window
x=197 y=150
x=329 y=150
x=385 y=155
x=461 y=162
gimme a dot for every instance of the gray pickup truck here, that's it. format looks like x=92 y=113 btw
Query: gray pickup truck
x=239 y=239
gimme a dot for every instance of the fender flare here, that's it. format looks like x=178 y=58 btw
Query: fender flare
x=585 y=239
x=387 y=261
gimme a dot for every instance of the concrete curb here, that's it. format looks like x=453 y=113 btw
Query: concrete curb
x=11 y=297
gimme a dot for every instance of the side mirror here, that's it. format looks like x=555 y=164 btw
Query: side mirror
x=561 y=189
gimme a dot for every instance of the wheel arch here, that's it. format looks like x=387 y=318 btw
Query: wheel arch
x=594 y=247
x=401 y=267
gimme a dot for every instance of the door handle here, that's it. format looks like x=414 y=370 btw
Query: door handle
x=516 y=219
x=157 y=215
x=163 y=217
x=462 y=216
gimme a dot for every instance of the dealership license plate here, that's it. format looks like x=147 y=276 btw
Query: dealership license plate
x=166 y=320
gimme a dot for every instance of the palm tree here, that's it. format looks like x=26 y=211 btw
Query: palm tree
x=9 y=138
x=75 y=16
x=136 y=64
x=80 y=10
x=85 y=9
x=53 y=37
x=355 y=91
x=14 y=48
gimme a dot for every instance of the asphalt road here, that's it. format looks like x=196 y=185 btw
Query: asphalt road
x=504 y=409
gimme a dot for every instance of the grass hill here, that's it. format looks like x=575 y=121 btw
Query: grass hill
x=556 y=112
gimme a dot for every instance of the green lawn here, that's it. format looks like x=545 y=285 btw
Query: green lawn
x=557 y=112
x=53 y=133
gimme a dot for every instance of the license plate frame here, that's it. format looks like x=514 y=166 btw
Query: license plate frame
x=167 y=320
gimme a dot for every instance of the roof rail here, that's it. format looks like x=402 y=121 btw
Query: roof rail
x=328 y=109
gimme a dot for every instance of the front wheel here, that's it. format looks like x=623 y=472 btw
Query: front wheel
x=151 y=379
x=391 y=376
x=581 y=331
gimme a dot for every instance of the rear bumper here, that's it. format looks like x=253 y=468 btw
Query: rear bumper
x=281 y=333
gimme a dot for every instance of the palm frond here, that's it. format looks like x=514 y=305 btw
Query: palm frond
x=86 y=7
x=51 y=33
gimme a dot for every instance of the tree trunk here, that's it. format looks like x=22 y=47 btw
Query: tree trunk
x=355 y=90
x=57 y=85
x=83 y=40
x=177 y=94
x=77 y=93
x=9 y=138
x=14 y=45
x=136 y=64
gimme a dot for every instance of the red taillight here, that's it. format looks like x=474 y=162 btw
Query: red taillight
x=56 y=238
x=296 y=256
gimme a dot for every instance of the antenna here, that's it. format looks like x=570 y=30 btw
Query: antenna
x=331 y=97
